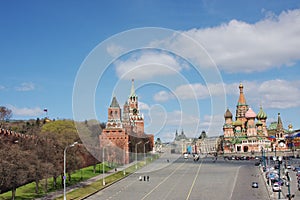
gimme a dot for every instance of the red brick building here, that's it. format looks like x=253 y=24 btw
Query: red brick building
x=124 y=132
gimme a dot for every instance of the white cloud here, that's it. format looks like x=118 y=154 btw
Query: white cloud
x=115 y=50
x=143 y=106
x=178 y=117
x=278 y=94
x=238 y=46
x=192 y=91
x=163 y=96
x=29 y=112
x=148 y=65
x=24 y=87
x=212 y=124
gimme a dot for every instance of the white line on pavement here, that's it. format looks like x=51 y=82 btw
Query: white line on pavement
x=162 y=181
x=234 y=182
x=188 y=196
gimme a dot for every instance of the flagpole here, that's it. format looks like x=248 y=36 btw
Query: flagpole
x=46 y=111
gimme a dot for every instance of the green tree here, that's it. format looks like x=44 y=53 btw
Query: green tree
x=62 y=133
x=14 y=167
x=158 y=141
x=203 y=135
x=5 y=114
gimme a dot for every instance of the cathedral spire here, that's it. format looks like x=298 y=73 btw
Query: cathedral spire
x=242 y=100
x=132 y=92
x=279 y=123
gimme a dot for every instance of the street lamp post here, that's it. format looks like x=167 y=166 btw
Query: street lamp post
x=136 y=153
x=263 y=157
x=145 y=151
x=279 y=163
x=103 y=166
x=103 y=179
x=125 y=152
x=65 y=175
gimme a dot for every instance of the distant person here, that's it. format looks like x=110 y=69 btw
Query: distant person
x=147 y=178
x=144 y=178
x=140 y=178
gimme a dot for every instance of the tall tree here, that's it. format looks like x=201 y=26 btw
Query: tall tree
x=14 y=167
x=64 y=133
x=5 y=113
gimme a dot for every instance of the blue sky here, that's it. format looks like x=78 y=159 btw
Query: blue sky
x=192 y=47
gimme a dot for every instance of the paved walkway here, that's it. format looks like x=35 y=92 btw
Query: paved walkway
x=53 y=195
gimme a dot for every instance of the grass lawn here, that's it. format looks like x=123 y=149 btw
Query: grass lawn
x=28 y=191
x=98 y=185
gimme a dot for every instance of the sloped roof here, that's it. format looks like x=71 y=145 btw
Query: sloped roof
x=114 y=103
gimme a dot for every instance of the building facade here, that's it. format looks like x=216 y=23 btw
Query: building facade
x=248 y=132
x=124 y=132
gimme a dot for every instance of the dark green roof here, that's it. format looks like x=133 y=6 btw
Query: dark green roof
x=272 y=126
x=114 y=103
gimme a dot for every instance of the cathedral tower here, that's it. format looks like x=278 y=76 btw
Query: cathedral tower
x=241 y=108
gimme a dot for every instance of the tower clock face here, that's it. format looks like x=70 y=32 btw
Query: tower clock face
x=134 y=111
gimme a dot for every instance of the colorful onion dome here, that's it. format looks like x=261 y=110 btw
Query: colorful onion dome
x=228 y=114
x=261 y=114
x=259 y=123
x=250 y=114
x=237 y=123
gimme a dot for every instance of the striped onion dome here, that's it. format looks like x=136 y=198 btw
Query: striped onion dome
x=261 y=114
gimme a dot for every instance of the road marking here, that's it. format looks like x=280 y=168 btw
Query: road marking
x=162 y=181
x=192 y=186
x=175 y=184
x=234 y=182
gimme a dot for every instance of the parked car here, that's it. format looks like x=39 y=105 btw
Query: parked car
x=296 y=169
x=276 y=187
x=186 y=156
x=254 y=185
x=280 y=182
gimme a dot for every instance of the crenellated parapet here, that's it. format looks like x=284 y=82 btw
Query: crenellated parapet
x=15 y=135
